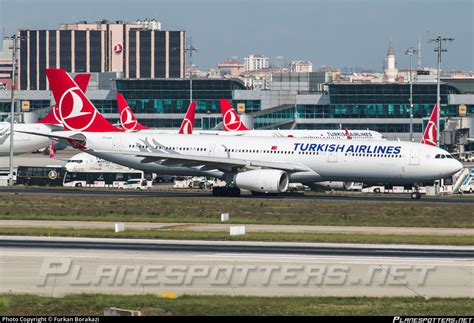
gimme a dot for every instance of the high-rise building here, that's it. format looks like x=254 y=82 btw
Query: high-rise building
x=230 y=68
x=137 y=50
x=301 y=66
x=255 y=62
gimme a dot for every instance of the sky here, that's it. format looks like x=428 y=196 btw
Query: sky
x=333 y=33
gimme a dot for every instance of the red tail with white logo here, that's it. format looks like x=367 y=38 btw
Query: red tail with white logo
x=230 y=118
x=73 y=108
x=82 y=80
x=188 y=122
x=51 y=149
x=348 y=135
x=127 y=118
x=429 y=137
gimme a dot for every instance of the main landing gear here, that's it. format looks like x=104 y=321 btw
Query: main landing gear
x=416 y=195
x=225 y=191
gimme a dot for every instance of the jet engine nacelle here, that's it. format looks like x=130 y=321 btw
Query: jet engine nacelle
x=263 y=180
x=334 y=185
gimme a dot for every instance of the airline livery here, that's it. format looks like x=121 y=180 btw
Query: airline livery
x=429 y=137
x=130 y=123
x=258 y=164
x=234 y=126
x=24 y=143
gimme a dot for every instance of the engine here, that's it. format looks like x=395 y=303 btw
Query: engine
x=349 y=185
x=334 y=185
x=263 y=180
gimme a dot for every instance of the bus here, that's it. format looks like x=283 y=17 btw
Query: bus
x=41 y=176
x=84 y=170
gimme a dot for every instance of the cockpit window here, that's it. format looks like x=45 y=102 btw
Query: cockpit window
x=443 y=156
x=449 y=156
x=438 y=156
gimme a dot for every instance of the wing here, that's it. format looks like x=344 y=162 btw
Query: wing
x=76 y=140
x=171 y=158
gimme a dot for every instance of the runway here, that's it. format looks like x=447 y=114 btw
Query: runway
x=241 y=247
x=59 y=266
x=155 y=193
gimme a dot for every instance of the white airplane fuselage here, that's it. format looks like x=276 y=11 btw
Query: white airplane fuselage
x=23 y=143
x=392 y=162
x=298 y=133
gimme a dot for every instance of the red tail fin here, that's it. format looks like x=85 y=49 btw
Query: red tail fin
x=74 y=109
x=230 y=118
x=127 y=118
x=51 y=149
x=429 y=137
x=348 y=135
x=82 y=80
x=188 y=122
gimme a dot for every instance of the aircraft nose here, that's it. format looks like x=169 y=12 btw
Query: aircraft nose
x=457 y=166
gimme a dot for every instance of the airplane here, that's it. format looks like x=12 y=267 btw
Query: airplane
x=129 y=122
x=234 y=125
x=429 y=136
x=258 y=164
x=24 y=143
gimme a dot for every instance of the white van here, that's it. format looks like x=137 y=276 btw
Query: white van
x=468 y=184
x=136 y=184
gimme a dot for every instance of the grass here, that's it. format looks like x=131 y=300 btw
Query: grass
x=248 y=211
x=93 y=304
x=253 y=236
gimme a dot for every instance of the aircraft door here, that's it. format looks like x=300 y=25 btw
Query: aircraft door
x=332 y=157
x=116 y=143
x=212 y=148
x=415 y=157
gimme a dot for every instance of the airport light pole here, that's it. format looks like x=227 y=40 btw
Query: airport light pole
x=439 y=40
x=190 y=50
x=12 y=109
x=410 y=51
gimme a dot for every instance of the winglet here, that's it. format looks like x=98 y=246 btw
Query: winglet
x=429 y=136
x=82 y=80
x=127 y=118
x=230 y=118
x=73 y=108
x=188 y=121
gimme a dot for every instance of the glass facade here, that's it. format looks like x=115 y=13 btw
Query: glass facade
x=279 y=117
x=368 y=101
x=172 y=96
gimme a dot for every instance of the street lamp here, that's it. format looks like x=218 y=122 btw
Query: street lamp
x=439 y=40
x=190 y=49
x=14 y=48
x=410 y=51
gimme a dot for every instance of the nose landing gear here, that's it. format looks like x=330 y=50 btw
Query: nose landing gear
x=416 y=195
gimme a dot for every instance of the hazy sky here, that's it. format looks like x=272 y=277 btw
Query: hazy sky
x=327 y=32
